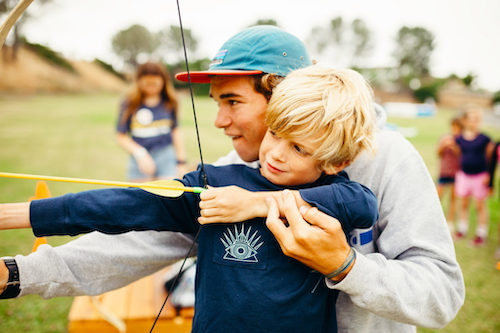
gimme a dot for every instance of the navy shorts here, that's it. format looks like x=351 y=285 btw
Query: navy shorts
x=446 y=180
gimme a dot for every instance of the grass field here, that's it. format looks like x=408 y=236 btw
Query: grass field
x=73 y=136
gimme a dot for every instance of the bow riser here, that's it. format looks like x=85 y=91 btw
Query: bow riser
x=12 y=19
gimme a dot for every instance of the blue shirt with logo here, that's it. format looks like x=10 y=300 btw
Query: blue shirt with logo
x=244 y=283
x=150 y=127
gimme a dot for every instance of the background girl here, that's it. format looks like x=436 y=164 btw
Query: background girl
x=147 y=126
x=473 y=178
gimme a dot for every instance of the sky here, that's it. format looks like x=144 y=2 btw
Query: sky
x=467 y=32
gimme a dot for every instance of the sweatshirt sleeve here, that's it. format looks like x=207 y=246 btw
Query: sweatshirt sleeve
x=96 y=263
x=353 y=204
x=112 y=211
x=412 y=275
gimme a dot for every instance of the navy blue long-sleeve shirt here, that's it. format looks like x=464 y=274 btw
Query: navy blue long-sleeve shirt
x=244 y=282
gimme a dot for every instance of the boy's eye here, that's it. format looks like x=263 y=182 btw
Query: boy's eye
x=273 y=133
x=232 y=102
x=300 y=150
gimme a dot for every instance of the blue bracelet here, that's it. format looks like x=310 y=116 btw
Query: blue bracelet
x=347 y=262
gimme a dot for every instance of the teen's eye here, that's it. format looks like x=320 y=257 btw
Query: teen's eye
x=232 y=102
x=273 y=133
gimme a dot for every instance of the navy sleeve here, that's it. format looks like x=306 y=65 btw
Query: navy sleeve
x=113 y=211
x=354 y=205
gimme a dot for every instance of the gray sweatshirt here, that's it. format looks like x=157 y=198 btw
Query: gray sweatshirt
x=405 y=274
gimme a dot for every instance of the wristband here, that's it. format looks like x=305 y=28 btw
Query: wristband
x=12 y=289
x=139 y=153
x=347 y=262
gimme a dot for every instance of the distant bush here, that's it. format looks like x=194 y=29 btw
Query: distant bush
x=428 y=90
x=50 y=55
x=109 y=68
x=496 y=97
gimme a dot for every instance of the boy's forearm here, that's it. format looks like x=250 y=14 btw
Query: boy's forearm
x=15 y=215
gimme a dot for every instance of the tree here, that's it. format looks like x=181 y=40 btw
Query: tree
x=361 y=40
x=171 y=43
x=413 y=52
x=265 y=22
x=6 y=6
x=130 y=43
x=343 y=43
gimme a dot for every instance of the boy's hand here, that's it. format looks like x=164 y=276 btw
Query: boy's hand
x=230 y=204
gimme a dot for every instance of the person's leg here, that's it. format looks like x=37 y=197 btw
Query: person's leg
x=452 y=208
x=462 y=192
x=482 y=222
x=480 y=192
x=463 y=223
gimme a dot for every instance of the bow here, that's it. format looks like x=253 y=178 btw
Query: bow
x=13 y=17
x=201 y=161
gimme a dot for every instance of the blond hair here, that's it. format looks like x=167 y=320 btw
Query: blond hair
x=332 y=107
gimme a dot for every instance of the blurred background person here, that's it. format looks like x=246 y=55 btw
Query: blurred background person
x=147 y=126
x=495 y=160
x=472 y=180
x=449 y=161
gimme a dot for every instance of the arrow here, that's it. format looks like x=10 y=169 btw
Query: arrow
x=165 y=188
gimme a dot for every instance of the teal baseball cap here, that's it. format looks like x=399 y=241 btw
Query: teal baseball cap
x=255 y=50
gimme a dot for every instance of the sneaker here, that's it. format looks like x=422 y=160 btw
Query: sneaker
x=459 y=235
x=479 y=241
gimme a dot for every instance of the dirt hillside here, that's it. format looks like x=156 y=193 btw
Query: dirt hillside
x=32 y=74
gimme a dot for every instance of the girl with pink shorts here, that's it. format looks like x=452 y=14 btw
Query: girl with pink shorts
x=473 y=178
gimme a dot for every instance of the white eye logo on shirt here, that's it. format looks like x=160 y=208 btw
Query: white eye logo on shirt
x=240 y=246
x=144 y=116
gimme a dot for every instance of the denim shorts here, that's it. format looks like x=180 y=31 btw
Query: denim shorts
x=165 y=160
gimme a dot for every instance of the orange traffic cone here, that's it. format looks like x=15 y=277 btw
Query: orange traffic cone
x=41 y=192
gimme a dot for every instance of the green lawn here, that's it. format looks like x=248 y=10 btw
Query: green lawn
x=73 y=136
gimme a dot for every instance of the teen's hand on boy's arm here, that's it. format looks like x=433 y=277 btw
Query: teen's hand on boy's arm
x=15 y=215
x=312 y=237
x=230 y=204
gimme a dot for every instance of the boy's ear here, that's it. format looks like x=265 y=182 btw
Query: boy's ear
x=334 y=169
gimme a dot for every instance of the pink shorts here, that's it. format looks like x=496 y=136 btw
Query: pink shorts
x=471 y=185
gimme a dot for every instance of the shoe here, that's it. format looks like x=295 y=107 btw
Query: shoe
x=479 y=241
x=459 y=235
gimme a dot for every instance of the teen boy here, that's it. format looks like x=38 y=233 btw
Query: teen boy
x=318 y=121
x=408 y=250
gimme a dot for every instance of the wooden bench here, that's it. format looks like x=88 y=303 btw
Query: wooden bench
x=136 y=305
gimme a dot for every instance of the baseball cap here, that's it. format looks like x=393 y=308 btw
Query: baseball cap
x=255 y=50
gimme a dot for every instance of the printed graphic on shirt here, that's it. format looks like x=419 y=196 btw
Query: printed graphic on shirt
x=144 y=116
x=143 y=125
x=239 y=245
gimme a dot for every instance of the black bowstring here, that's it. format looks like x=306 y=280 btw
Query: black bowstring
x=204 y=175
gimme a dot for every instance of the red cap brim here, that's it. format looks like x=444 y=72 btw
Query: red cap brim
x=204 y=76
